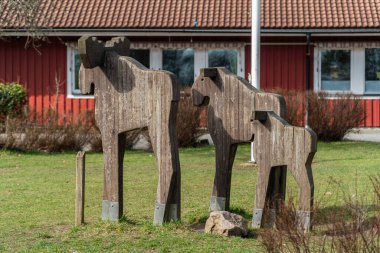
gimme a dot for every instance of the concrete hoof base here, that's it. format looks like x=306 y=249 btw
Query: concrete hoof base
x=304 y=220
x=110 y=211
x=257 y=217
x=217 y=204
x=165 y=213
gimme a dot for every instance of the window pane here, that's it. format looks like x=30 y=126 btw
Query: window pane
x=77 y=66
x=223 y=58
x=372 y=70
x=181 y=63
x=336 y=70
x=141 y=55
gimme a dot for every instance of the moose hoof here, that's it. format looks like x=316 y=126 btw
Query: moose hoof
x=217 y=204
x=304 y=220
x=164 y=213
x=257 y=217
x=110 y=210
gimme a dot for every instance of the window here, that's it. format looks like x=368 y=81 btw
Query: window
x=336 y=70
x=73 y=66
x=347 y=69
x=372 y=70
x=223 y=58
x=141 y=55
x=181 y=63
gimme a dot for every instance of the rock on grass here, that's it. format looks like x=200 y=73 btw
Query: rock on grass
x=227 y=224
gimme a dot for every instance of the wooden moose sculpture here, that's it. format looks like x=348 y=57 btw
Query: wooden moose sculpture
x=128 y=97
x=238 y=113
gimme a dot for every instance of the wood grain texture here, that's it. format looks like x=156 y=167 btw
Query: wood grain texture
x=80 y=188
x=239 y=113
x=129 y=96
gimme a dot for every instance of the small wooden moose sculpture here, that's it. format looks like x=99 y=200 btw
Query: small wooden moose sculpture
x=238 y=113
x=128 y=97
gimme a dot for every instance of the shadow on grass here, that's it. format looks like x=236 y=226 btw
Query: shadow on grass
x=325 y=215
x=126 y=220
x=351 y=228
x=240 y=211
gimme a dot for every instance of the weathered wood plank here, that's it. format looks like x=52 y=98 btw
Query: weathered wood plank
x=80 y=188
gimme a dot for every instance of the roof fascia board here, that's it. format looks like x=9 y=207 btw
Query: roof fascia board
x=192 y=32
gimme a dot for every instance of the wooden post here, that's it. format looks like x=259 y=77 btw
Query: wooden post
x=79 y=189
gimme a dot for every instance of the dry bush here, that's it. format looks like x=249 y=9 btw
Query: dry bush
x=330 y=117
x=354 y=227
x=52 y=133
x=30 y=132
x=286 y=236
x=187 y=120
x=26 y=133
x=295 y=106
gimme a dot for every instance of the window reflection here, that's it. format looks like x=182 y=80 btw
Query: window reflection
x=181 y=63
x=77 y=62
x=223 y=58
x=141 y=55
x=372 y=70
x=336 y=70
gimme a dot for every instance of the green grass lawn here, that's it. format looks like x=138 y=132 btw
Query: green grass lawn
x=37 y=199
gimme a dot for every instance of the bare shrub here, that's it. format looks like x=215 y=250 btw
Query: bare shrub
x=295 y=106
x=330 y=117
x=286 y=236
x=26 y=133
x=46 y=133
x=187 y=120
x=354 y=227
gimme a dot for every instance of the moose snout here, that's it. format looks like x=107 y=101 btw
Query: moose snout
x=198 y=98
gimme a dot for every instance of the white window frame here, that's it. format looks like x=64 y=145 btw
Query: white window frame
x=201 y=59
x=73 y=93
x=357 y=70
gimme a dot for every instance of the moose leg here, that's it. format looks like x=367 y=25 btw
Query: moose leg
x=225 y=156
x=261 y=195
x=113 y=148
x=306 y=184
x=276 y=192
x=165 y=147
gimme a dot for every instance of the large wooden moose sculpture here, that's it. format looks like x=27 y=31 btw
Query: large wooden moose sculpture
x=129 y=96
x=238 y=113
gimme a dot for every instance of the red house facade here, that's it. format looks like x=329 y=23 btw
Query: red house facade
x=322 y=45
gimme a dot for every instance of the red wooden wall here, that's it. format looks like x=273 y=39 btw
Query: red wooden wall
x=282 y=66
x=42 y=70
x=372 y=111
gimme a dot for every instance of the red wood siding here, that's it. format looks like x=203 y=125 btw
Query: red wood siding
x=282 y=66
x=372 y=111
x=43 y=72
